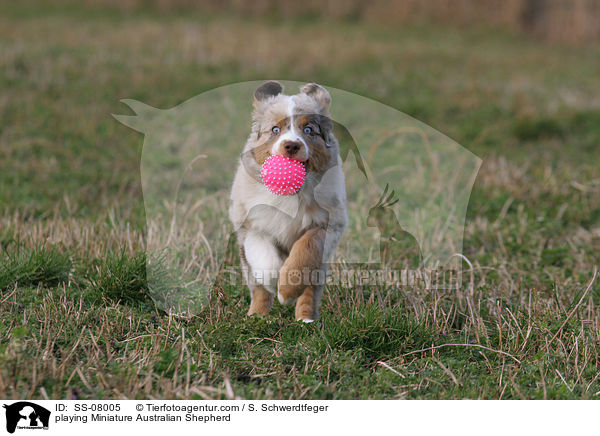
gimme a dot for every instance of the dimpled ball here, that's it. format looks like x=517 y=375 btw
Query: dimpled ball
x=282 y=175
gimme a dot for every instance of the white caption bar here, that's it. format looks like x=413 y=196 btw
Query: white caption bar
x=296 y=417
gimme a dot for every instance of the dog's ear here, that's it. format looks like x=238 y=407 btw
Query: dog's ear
x=318 y=93
x=268 y=89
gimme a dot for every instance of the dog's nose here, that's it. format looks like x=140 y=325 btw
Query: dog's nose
x=291 y=147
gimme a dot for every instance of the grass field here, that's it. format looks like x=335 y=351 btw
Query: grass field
x=76 y=319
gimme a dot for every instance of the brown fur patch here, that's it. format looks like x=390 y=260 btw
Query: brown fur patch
x=305 y=256
x=306 y=306
x=320 y=156
x=262 y=152
x=262 y=301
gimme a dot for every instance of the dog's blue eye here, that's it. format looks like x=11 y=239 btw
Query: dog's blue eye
x=276 y=129
x=308 y=130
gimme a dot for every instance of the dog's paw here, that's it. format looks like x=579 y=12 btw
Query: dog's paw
x=309 y=321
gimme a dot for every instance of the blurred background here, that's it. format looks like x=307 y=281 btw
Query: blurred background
x=496 y=76
x=574 y=21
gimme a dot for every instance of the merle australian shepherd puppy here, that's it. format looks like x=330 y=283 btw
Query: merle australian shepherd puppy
x=286 y=241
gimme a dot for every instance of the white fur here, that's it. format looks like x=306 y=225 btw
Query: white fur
x=264 y=260
x=291 y=135
x=285 y=302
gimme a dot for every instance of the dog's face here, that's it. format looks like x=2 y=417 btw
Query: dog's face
x=295 y=126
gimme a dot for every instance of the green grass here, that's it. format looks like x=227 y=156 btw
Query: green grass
x=76 y=316
x=39 y=266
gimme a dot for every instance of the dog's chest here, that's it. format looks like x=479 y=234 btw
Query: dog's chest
x=284 y=218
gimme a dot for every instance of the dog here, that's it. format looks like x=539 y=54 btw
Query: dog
x=285 y=242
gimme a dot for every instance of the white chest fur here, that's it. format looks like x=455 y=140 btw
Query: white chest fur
x=283 y=218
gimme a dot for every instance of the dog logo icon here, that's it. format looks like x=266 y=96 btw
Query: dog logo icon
x=26 y=415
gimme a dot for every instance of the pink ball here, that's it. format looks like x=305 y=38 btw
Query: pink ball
x=282 y=175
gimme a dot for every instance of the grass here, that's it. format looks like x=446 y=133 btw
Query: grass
x=76 y=316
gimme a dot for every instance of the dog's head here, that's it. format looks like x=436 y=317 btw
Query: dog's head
x=295 y=126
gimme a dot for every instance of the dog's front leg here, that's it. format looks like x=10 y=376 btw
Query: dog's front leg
x=298 y=271
x=261 y=300
x=261 y=263
x=307 y=306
